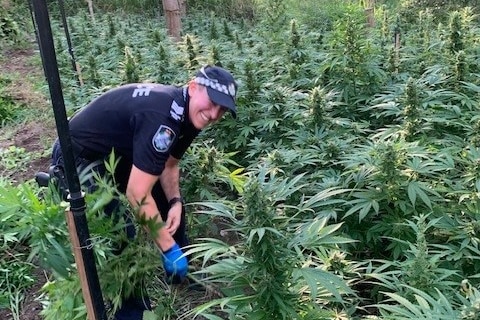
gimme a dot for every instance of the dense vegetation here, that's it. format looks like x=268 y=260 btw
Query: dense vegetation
x=348 y=187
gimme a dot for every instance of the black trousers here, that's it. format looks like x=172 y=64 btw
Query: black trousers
x=122 y=173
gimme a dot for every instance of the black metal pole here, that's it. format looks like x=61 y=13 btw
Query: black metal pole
x=77 y=201
x=33 y=21
x=69 y=41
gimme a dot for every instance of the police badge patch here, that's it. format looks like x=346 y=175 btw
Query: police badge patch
x=163 y=139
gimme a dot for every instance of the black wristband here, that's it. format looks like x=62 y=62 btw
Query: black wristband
x=175 y=200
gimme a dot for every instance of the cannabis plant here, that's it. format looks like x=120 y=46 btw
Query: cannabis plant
x=351 y=62
x=10 y=31
x=129 y=66
x=124 y=265
x=209 y=173
x=277 y=269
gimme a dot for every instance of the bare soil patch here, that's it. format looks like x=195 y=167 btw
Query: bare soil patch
x=34 y=133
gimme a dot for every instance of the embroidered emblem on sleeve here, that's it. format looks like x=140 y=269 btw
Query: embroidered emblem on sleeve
x=163 y=139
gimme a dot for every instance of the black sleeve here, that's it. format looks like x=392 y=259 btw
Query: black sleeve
x=179 y=149
x=153 y=140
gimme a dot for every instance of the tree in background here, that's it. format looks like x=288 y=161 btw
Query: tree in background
x=174 y=9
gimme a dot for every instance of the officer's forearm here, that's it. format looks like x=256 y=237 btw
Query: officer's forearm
x=170 y=182
x=149 y=211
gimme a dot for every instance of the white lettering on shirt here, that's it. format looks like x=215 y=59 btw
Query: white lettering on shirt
x=142 y=91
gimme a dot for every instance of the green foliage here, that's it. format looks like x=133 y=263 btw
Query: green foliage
x=123 y=264
x=425 y=307
x=149 y=8
x=231 y=9
x=10 y=32
x=411 y=110
x=9 y=107
x=64 y=300
x=275 y=13
x=35 y=219
x=456 y=33
x=341 y=133
x=282 y=265
x=351 y=62
x=439 y=8
x=191 y=53
x=319 y=106
x=14 y=160
x=209 y=175
x=129 y=67
x=421 y=266
x=21 y=231
x=15 y=272
x=319 y=14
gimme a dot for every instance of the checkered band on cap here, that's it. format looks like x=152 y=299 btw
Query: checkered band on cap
x=215 y=85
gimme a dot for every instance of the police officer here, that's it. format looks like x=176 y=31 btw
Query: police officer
x=149 y=127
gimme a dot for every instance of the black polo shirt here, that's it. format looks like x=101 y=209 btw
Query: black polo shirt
x=142 y=123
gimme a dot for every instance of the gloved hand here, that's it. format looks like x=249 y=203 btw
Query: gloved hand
x=174 y=262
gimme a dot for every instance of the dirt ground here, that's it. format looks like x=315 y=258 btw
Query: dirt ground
x=32 y=135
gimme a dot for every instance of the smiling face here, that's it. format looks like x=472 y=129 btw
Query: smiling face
x=202 y=111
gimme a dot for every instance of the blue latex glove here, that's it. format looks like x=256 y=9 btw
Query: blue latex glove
x=174 y=262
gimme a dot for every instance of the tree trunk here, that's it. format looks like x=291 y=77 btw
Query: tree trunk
x=397 y=44
x=173 y=18
x=370 y=12
x=90 y=9
x=183 y=7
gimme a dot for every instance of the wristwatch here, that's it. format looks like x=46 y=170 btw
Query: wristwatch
x=175 y=200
